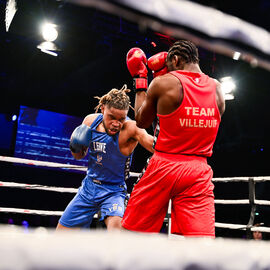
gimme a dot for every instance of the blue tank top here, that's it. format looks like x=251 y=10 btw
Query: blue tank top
x=106 y=162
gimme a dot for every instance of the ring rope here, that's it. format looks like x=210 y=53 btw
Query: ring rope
x=259 y=202
x=59 y=213
x=241 y=179
x=74 y=190
x=132 y=174
x=262 y=202
x=41 y=163
x=232 y=201
x=33 y=212
x=49 y=164
x=241 y=227
x=39 y=187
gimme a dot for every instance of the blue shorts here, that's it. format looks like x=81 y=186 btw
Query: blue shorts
x=91 y=198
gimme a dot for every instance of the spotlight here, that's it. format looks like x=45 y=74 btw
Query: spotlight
x=48 y=47
x=236 y=55
x=11 y=8
x=49 y=32
x=14 y=117
x=227 y=87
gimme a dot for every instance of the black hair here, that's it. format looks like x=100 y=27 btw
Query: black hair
x=186 y=49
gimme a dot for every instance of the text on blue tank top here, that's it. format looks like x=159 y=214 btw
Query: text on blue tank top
x=106 y=162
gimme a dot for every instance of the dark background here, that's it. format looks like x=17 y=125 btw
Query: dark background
x=92 y=61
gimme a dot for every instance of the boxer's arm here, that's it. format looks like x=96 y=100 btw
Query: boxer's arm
x=220 y=98
x=146 y=104
x=145 y=140
x=137 y=135
x=163 y=96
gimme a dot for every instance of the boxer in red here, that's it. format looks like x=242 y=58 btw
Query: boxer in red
x=188 y=106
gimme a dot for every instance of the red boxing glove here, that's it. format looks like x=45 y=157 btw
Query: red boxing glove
x=157 y=63
x=136 y=63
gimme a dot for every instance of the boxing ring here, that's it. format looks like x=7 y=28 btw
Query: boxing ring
x=251 y=181
x=21 y=250
x=43 y=249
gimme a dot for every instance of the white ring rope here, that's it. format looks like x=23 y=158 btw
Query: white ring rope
x=241 y=227
x=230 y=201
x=262 y=202
x=31 y=211
x=39 y=187
x=259 y=202
x=81 y=168
x=41 y=163
x=74 y=190
x=132 y=174
x=241 y=179
x=59 y=213
x=49 y=164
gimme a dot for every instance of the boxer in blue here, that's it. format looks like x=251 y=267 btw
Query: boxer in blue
x=111 y=139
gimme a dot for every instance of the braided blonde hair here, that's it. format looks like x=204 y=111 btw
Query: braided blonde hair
x=115 y=98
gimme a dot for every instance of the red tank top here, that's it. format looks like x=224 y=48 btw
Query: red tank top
x=192 y=128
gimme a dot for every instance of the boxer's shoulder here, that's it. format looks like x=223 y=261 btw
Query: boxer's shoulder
x=164 y=83
x=128 y=129
x=129 y=125
x=90 y=118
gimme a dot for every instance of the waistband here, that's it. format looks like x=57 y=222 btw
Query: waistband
x=179 y=157
x=107 y=183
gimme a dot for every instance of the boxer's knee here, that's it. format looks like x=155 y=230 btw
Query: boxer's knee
x=113 y=223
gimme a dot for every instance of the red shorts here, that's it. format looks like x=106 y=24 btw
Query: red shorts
x=186 y=180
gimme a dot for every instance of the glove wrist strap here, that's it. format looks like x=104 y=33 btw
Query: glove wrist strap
x=139 y=84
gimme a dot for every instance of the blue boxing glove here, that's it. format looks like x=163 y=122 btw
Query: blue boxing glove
x=80 y=139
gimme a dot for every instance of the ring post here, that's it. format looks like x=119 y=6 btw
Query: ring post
x=251 y=187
